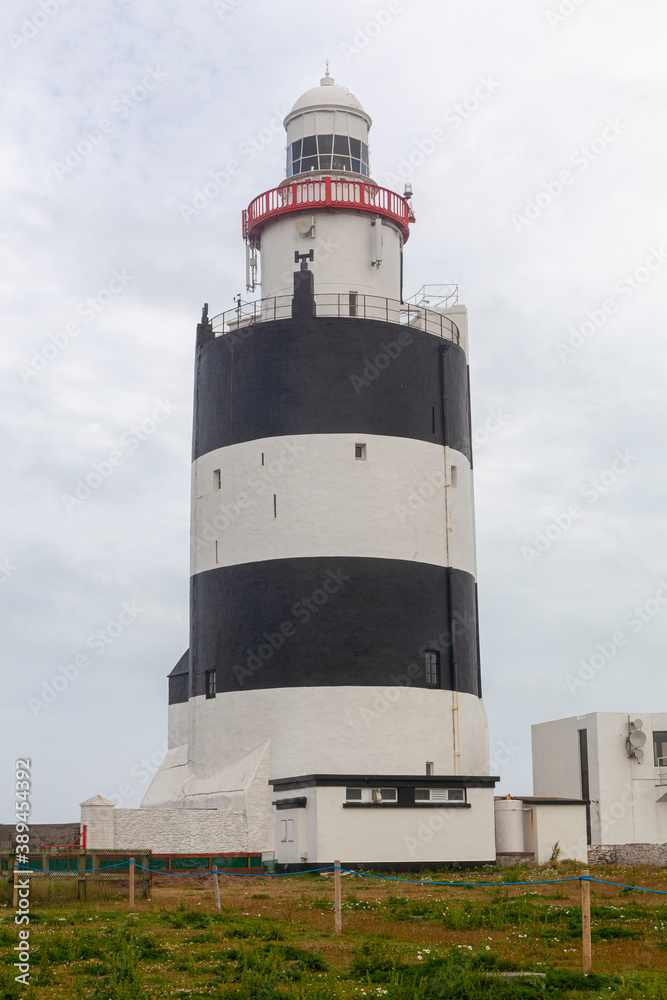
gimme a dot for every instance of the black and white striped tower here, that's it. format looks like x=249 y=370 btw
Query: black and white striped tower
x=333 y=603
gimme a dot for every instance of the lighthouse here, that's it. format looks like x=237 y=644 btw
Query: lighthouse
x=330 y=704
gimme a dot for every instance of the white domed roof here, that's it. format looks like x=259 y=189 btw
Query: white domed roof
x=327 y=95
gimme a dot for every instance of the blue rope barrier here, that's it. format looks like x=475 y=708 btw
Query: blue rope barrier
x=347 y=871
x=621 y=885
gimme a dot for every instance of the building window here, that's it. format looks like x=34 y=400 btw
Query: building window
x=377 y=795
x=275 y=505
x=327 y=152
x=440 y=795
x=454 y=476
x=210 y=683
x=429 y=767
x=660 y=749
x=287 y=831
x=216 y=479
x=360 y=452
x=353 y=303
x=432 y=664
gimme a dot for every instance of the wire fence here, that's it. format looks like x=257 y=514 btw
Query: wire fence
x=71 y=876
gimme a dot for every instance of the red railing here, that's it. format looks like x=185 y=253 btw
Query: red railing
x=327 y=192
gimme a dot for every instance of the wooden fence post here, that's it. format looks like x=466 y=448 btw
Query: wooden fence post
x=586 y=921
x=338 y=918
x=81 y=878
x=131 y=893
x=216 y=888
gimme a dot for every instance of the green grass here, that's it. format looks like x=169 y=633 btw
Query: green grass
x=417 y=943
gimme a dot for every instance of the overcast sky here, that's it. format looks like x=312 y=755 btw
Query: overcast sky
x=544 y=198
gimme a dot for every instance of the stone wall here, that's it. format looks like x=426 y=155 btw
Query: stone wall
x=41 y=834
x=628 y=854
x=180 y=831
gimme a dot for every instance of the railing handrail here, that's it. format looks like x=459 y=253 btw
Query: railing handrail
x=375 y=307
x=327 y=192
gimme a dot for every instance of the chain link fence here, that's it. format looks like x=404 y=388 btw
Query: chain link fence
x=67 y=876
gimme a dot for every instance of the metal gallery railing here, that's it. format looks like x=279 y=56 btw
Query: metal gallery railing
x=345 y=305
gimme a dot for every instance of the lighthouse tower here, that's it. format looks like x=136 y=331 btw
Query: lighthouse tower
x=333 y=670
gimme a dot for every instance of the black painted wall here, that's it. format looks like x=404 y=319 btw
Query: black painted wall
x=331 y=621
x=319 y=376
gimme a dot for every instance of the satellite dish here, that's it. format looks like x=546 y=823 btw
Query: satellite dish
x=638 y=724
x=637 y=738
x=303 y=224
x=639 y=753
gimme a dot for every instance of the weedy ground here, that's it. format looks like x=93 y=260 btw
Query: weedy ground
x=274 y=940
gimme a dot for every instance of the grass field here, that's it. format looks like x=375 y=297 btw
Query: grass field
x=274 y=940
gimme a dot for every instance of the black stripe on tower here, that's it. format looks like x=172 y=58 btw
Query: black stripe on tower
x=319 y=376
x=328 y=621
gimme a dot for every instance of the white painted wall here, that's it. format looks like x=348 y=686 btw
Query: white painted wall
x=342 y=730
x=177 y=725
x=397 y=504
x=546 y=826
x=344 y=245
x=626 y=806
x=408 y=835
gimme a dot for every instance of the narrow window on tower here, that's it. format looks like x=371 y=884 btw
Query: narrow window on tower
x=432 y=664
x=360 y=452
x=216 y=479
x=429 y=767
x=275 y=505
x=454 y=476
x=262 y=458
x=353 y=303
x=210 y=683
x=216 y=552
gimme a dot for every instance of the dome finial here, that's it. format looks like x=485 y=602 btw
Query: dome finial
x=327 y=81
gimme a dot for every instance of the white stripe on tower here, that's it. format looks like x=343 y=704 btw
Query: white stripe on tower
x=399 y=500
